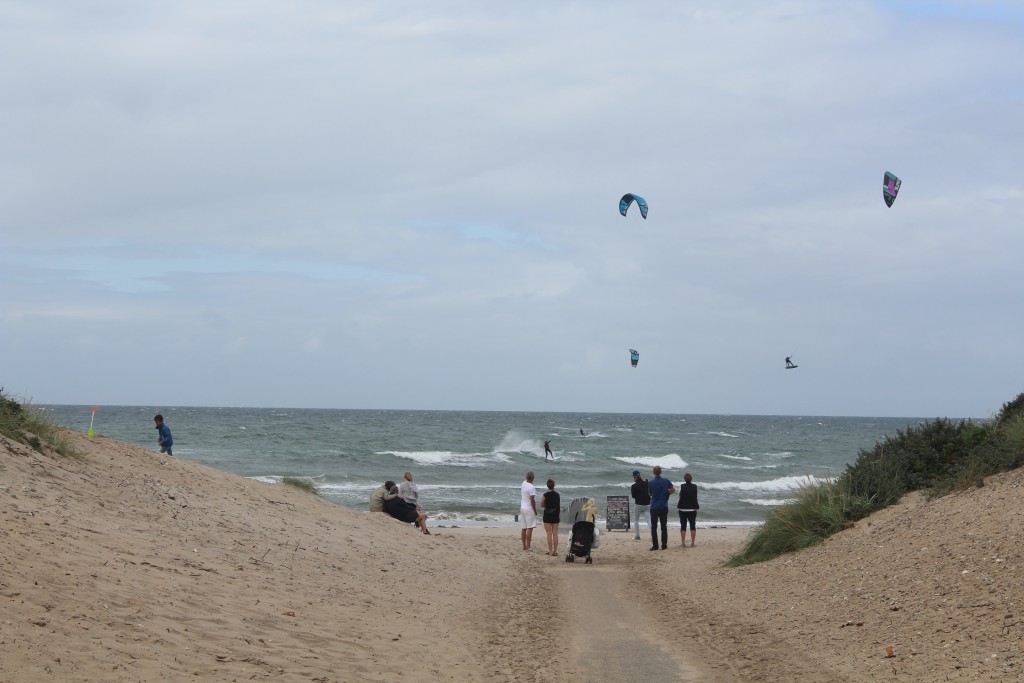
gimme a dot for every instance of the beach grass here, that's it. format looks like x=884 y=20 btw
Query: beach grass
x=299 y=483
x=29 y=425
x=936 y=457
x=818 y=510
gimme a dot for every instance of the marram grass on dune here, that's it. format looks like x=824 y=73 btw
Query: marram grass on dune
x=936 y=457
x=25 y=424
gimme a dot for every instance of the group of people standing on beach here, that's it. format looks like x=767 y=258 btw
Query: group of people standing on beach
x=550 y=502
x=400 y=501
x=651 y=498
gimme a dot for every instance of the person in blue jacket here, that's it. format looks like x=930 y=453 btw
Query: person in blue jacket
x=660 y=489
x=164 y=437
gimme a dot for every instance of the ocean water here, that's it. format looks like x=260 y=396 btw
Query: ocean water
x=469 y=465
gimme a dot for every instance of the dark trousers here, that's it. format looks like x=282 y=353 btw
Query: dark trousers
x=659 y=517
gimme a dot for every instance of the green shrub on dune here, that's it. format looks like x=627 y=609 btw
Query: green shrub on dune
x=936 y=457
x=29 y=426
x=304 y=484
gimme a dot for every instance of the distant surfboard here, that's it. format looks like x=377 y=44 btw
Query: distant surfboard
x=792 y=367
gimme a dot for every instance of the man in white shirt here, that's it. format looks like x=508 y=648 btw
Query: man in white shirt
x=528 y=511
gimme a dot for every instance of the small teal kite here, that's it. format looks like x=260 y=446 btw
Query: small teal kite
x=628 y=199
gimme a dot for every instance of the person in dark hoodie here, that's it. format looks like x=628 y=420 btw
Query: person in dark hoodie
x=688 y=507
x=401 y=509
x=641 y=503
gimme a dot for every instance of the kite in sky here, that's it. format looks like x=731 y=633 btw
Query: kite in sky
x=890 y=188
x=634 y=357
x=628 y=199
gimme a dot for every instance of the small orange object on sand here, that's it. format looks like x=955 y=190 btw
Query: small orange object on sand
x=292 y=614
x=889 y=652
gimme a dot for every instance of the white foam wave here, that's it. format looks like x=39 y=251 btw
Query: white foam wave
x=734 y=457
x=731 y=436
x=424 y=457
x=781 y=484
x=434 y=458
x=773 y=502
x=672 y=461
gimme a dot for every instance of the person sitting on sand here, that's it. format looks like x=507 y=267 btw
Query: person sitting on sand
x=401 y=509
x=410 y=491
x=379 y=495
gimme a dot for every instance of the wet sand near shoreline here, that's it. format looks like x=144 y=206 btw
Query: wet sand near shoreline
x=126 y=565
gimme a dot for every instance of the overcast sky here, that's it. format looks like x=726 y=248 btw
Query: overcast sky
x=415 y=205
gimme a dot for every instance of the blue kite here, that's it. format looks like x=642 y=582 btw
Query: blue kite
x=628 y=199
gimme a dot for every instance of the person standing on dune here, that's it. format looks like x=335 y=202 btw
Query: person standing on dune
x=163 y=435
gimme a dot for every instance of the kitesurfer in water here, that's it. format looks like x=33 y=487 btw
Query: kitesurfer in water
x=547 y=450
x=789 y=362
x=581 y=432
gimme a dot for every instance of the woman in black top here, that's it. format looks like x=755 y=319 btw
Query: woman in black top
x=688 y=507
x=552 y=504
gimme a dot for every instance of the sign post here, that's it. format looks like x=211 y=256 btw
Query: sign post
x=617 y=513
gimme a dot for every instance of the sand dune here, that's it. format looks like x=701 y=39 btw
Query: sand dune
x=127 y=565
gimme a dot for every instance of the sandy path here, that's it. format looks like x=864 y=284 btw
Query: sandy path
x=616 y=638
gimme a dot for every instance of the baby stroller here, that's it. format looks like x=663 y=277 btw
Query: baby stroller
x=582 y=539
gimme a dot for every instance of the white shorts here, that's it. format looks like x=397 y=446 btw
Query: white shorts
x=528 y=517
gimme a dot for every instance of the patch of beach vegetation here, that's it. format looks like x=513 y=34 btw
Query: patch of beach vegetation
x=29 y=425
x=936 y=457
x=300 y=483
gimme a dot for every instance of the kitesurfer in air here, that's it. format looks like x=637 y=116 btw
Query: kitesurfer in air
x=789 y=362
x=547 y=450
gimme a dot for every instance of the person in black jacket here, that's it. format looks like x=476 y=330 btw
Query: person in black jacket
x=641 y=502
x=551 y=501
x=400 y=508
x=688 y=507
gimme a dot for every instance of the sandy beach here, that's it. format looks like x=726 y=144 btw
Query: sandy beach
x=126 y=565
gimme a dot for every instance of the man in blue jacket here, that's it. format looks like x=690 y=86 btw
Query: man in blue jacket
x=660 y=489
